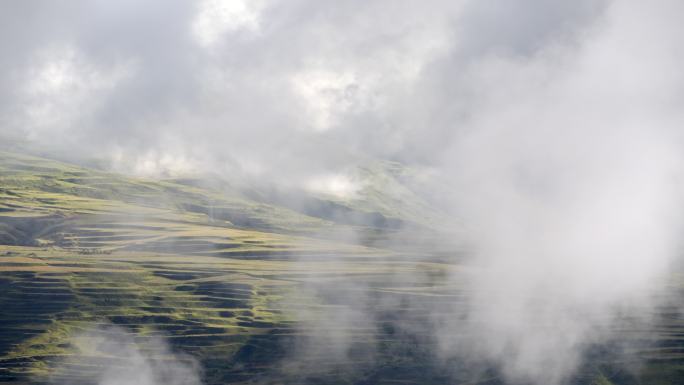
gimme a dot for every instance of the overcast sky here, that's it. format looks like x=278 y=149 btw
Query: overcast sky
x=262 y=84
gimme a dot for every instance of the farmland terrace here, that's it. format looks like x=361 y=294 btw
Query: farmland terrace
x=251 y=291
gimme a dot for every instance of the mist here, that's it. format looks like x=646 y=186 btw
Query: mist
x=556 y=126
x=117 y=356
x=569 y=177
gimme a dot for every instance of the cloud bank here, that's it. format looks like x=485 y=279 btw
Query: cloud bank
x=570 y=178
x=229 y=84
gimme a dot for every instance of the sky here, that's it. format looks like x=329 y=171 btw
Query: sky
x=253 y=86
x=559 y=123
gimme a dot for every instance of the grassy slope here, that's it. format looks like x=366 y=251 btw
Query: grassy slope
x=84 y=247
x=211 y=271
x=35 y=186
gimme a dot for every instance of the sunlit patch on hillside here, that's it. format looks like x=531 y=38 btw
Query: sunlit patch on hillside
x=337 y=185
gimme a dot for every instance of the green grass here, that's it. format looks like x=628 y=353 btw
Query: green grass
x=208 y=270
x=230 y=280
x=205 y=305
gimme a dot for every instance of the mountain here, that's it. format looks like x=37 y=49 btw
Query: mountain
x=210 y=268
x=256 y=284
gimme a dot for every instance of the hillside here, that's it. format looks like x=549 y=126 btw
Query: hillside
x=82 y=247
x=255 y=292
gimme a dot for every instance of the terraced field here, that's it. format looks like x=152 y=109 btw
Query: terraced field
x=227 y=280
x=230 y=313
x=251 y=293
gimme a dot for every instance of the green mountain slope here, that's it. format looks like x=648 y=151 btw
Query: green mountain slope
x=254 y=285
x=81 y=248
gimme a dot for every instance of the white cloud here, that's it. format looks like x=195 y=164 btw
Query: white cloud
x=337 y=185
x=217 y=17
x=64 y=86
x=327 y=94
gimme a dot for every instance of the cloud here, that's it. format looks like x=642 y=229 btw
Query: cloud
x=218 y=77
x=218 y=17
x=568 y=173
x=558 y=123
x=113 y=356
x=236 y=81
